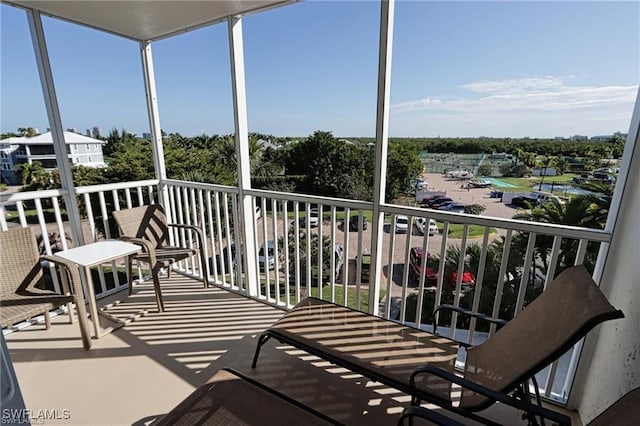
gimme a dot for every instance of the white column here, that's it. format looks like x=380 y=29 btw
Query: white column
x=55 y=122
x=245 y=205
x=154 y=123
x=382 y=136
x=609 y=365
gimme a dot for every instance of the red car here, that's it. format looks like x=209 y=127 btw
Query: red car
x=468 y=279
x=431 y=274
x=415 y=261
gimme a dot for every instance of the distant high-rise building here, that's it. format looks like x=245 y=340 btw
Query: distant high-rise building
x=88 y=132
x=95 y=131
x=72 y=129
x=146 y=135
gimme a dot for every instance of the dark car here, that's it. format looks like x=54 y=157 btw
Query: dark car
x=430 y=198
x=438 y=200
x=442 y=204
x=454 y=207
x=524 y=201
x=229 y=261
x=355 y=225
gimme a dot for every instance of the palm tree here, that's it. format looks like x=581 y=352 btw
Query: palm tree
x=585 y=211
x=34 y=175
x=260 y=168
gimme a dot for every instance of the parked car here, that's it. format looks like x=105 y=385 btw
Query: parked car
x=355 y=225
x=229 y=261
x=418 y=266
x=524 y=201
x=418 y=184
x=459 y=174
x=402 y=224
x=441 y=204
x=438 y=199
x=266 y=256
x=468 y=279
x=313 y=218
x=479 y=183
x=431 y=226
x=453 y=207
x=543 y=197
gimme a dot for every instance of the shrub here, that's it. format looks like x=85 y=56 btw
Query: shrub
x=474 y=209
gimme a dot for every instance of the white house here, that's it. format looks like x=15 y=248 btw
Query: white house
x=81 y=150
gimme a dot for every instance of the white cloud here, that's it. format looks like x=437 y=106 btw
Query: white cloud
x=544 y=106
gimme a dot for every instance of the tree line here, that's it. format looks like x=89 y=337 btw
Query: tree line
x=319 y=164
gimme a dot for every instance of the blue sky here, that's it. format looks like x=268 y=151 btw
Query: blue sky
x=502 y=69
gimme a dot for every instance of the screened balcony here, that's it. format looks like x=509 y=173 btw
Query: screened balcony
x=202 y=331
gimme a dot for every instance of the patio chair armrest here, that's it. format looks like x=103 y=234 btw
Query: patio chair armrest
x=193 y=228
x=464 y=311
x=147 y=247
x=434 y=417
x=490 y=393
x=74 y=274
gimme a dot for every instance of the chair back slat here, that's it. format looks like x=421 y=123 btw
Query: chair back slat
x=19 y=259
x=148 y=222
x=556 y=320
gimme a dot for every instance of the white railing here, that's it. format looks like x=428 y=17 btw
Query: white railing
x=504 y=255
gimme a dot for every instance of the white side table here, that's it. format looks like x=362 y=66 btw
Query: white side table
x=96 y=254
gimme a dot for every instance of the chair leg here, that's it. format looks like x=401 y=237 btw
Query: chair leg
x=261 y=341
x=72 y=315
x=130 y=274
x=205 y=268
x=47 y=320
x=65 y=285
x=156 y=285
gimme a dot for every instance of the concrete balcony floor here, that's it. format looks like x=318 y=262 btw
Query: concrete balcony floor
x=139 y=372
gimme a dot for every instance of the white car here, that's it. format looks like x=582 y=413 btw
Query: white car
x=402 y=224
x=266 y=256
x=432 y=228
x=313 y=218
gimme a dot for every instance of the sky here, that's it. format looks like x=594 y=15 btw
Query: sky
x=459 y=69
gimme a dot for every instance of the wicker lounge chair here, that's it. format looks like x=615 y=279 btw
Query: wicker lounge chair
x=147 y=226
x=22 y=293
x=422 y=364
x=230 y=398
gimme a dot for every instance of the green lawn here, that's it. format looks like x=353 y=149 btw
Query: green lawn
x=352 y=296
x=475 y=231
x=31 y=215
x=529 y=184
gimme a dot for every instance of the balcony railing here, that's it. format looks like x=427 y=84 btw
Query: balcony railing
x=510 y=260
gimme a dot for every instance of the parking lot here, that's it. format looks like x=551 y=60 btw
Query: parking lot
x=453 y=188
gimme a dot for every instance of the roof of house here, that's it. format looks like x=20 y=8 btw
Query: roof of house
x=46 y=139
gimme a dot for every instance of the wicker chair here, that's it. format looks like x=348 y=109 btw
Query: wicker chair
x=147 y=226
x=21 y=294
